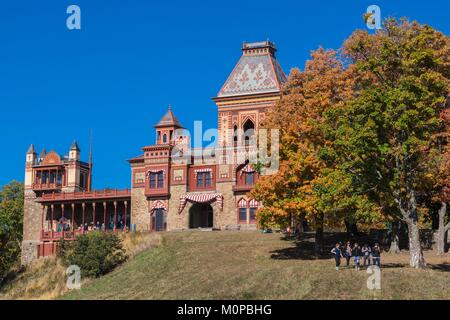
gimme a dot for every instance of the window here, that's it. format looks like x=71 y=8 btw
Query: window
x=164 y=138
x=253 y=214
x=249 y=132
x=156 y=180
x=249 y=178
x=44 y=177
x=204 y=179
x=242 y=214
x=159 y=136
x=171 y=135
x=52 y=177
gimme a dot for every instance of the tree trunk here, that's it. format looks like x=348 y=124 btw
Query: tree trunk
x=352 y=228
x=415 y=250
x=318 y=244
x=440 y=234
x=410 y=216
x=395 y=240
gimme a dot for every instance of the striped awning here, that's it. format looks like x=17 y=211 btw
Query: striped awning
x=247 y=169
x=200 y=198
x=202 y=170
x=253 y=203
x=242 y=203
x=158 y=205
x=156 y=171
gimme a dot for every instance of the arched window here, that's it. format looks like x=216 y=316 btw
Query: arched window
x=165 y=138
x=249 y=132
x=242 y=210
x=235 y=136
x=159 y=137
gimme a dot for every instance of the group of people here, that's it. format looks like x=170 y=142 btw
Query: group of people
x=366 y=254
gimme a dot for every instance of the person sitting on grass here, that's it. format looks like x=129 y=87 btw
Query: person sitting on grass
x=376 y=255
x=348 y=253
x=357 y=255
x=337 y=255
x=366 y=251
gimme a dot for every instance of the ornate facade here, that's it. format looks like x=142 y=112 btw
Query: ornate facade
x=174 y=186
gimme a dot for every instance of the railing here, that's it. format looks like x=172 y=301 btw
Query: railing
x=242 y=187
x=70 y=235
x=44 y=186
x=102 y=194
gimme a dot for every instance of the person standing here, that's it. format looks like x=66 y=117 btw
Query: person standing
x=376 y=255
x=366 y=251
x=357 y=255
x=337 y=255
x=348 y=253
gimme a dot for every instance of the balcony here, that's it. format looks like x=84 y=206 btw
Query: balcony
x=242 y=187
x=100 y=194
x=47 y=186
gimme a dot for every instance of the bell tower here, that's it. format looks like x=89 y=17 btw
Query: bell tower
x=166 y=129
x=251 y=89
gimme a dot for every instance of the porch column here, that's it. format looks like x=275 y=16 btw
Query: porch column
x=126 y=207
x=73 y=219
x=51 y=222
x=104 y=215
x=115 y=215
x=63 y=219
x=42 y=222
x=83 y=205
x=93 y=214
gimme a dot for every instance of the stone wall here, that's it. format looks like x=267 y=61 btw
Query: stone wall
x=176 y=221
x=32 y=221
x=139 y=209
x=226 y=218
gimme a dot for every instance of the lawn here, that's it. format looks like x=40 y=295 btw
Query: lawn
x=252 y=265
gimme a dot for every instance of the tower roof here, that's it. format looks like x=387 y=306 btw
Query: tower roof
x=74 y=146
x=169 y=120
x=31 y=149
x=43 y=154
x=257 y=71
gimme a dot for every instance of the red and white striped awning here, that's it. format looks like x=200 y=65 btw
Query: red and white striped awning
x=242 y=203
x=247 y=169
x=200 y=198
x=158 y=205
x=156 y=171
x=202 y=170
x=253 y=203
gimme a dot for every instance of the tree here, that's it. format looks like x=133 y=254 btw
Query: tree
x=11 y=217
x=307 y=183
x=437 y=186
x=383 y=131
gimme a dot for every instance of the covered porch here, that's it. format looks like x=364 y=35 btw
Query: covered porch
x=67 y=215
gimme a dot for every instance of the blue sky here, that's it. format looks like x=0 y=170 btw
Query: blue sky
x=132 y=58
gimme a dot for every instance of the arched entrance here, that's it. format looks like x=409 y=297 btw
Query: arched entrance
x=201 y=216
x=159 y=221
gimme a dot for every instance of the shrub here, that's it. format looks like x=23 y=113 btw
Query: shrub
x=96 y=253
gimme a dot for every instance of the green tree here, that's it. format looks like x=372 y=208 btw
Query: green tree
x=382 y=133
x=11 y=218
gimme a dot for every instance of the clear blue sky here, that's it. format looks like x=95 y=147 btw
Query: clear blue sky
x=132 y=58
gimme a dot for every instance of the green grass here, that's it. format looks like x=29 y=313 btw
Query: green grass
x=251 y=265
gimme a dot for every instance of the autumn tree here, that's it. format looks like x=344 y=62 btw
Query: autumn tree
x=307 y=185
x=383 y=131
x=11 y=217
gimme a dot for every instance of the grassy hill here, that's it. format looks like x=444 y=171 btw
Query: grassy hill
x=251 y=265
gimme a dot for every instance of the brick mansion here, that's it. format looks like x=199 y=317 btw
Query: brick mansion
x=173 y=185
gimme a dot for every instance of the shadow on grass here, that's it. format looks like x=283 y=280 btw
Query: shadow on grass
x=444 y=267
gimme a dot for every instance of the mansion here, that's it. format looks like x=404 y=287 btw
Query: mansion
x=173 y=186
